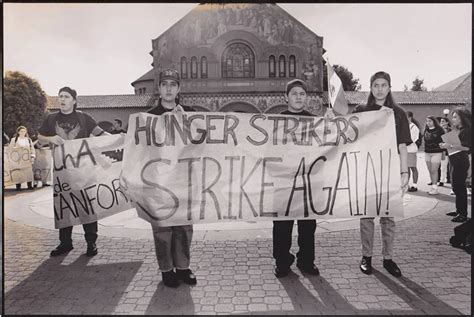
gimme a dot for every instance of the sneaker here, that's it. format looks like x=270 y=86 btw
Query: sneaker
x=366 y=265
x=433 y=192
x=451 y=193
x=429 y=183
x=46 y=184
x=459 y=218
x=310 y=269
x=469 y=191
x=61 y=249
x=187 y=276
x=392 y=268
x=440 y=184
x=91 y=249
x=170 y=279
x=412 y=189
x=452 y=213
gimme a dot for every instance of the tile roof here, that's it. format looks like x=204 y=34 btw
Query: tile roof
x=352 y=97
x=105 y=101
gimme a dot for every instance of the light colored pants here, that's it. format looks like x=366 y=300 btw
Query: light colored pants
x=387 y=226
x=443 y=178
x=172 y=246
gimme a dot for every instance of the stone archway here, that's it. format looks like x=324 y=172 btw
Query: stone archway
x=277 y=108
x=239 y=106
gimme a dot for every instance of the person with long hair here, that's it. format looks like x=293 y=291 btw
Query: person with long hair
x=433 y=152
x=459 y=160
x=380 y=97
x=412 y=150
x=445 y=123
x=22 y=140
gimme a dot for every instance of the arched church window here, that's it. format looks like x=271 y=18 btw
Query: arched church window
x=292 y=66
x=184 y=68
x=238 y=61
x=282 y=66
x=194 y=66
x=204 y=67
x=271 y=66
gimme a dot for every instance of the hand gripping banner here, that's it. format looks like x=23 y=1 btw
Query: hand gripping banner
x=203 y=167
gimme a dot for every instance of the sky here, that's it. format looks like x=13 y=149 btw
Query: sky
x=100 y=49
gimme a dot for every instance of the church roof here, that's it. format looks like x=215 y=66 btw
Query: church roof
x=462 y=83
x=149 y=76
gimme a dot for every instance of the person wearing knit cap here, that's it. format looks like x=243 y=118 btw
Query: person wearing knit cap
x=381 y=96
x=296 y=97
x=173 y=243
x=69 y=124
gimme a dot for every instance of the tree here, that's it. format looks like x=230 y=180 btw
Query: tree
x=346 y=76
x=24 y=103
x=418 y=85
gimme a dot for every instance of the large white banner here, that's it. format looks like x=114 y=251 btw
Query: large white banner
x=202 y=167
x=17 y=165
x=86 y=180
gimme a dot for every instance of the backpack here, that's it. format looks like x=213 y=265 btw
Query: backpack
x=462 y=237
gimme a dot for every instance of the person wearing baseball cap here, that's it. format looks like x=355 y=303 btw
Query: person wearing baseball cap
x=381 y=96
x=296 y=97
x=172 y=244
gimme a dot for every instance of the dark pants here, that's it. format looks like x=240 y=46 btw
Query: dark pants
x=90 y=233
x=282 y=241
x=459 y=166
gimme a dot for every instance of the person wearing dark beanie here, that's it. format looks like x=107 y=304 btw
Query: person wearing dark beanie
x=69 y=124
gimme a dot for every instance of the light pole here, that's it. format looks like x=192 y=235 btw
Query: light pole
x=446 y=112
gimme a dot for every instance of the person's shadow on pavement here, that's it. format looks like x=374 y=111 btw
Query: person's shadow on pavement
x=419 y=298
x=171 y=301
x=75 y=288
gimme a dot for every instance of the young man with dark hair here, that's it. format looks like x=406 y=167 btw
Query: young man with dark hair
x=117 y=127
x=70 y=124
x=295 y=95
x=173 y=243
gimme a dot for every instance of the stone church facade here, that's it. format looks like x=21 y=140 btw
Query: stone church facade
x=238 y=57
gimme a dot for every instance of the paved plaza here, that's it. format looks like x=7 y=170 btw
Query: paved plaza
x=234 y=267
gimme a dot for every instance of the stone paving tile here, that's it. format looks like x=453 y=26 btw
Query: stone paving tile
x=236 y=277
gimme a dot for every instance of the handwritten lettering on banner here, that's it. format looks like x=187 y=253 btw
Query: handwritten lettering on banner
x=213 y=167
x=17 y=168
x=86 y=180
x=42 y=165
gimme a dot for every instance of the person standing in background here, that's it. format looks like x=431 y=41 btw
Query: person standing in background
x=412 y=150
x=443 y=176
x=459 y=160
x=433 y=152
x=22 y=140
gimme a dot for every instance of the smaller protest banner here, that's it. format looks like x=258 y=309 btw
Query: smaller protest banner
x=42 y=165
x=86 y=180
x=17 y=167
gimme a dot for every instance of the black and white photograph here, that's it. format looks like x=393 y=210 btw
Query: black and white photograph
x=237 y=158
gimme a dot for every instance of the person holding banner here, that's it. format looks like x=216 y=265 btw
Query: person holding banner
x=69 y=124
x=173 y=243
x=22 y=140
x=295 y=95
x=459 y=153
x=381 y=96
